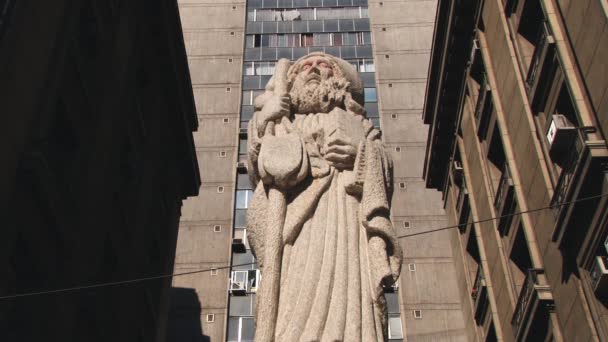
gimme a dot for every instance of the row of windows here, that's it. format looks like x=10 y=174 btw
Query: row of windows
x=310 y=26
x=259 y=82
x=307 y=14
x=267 y=68
x=307 y=39
x=303 y=3
x=344 y=52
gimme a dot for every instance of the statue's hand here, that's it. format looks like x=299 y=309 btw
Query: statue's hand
x=274 y=109
x=340 y=152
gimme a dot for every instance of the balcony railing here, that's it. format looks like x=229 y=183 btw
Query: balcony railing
x=543 y=42
x=533 y=297
x=480 y=296
x=599 y=276
x=504 y=200
x=569 y=164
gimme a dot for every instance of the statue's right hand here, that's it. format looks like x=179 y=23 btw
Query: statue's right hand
x=274 y=109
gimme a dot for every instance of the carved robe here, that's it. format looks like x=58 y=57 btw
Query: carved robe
x=338 y=243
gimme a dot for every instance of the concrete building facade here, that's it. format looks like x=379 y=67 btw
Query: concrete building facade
x=516 y=103
x=232 y=47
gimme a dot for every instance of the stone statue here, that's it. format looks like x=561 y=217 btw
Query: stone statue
x=319 y=221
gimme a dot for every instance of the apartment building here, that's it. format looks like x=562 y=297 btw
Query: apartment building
x=516 y=103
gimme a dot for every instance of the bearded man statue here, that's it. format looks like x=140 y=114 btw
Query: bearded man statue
x=319 y=221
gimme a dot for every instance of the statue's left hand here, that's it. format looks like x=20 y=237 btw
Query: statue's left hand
x=340 y=152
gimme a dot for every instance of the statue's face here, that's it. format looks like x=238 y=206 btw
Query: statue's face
x=313 y=89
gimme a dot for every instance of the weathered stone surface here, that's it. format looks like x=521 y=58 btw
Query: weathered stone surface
x=319 y=221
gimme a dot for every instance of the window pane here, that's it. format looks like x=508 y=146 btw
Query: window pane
x=394 y=327
x=246 y=113
x=247 y=98
x=321 y=39
x=240 y=218
x=364 y=12
x=247 y=329
x=242 y=146
x=369 y=65
x=370 y=95
x=250 y=15
x=233 y=329
x=392 y=302
x=240 y=306
x=249 y=40
x=349 y=38
x=243 y=182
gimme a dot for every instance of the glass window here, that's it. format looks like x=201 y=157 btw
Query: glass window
x=246 y=260
x=307 y=39
x=240 y=218
x=233 y=329
x=254 y=3
x=246 y=112
x=247 y=100
x=243 y=182
x=270 y=3
x=349 y=38
x=368 y=65
x=254 y=27
x=249 y=41
x=284 y=27
x=252 y=54
x=269 y=53
x=376 y=122
x=394 y=327
x=321 y=39
x=241 y=305
x=315 y=26
x=307 y=13
x=251 y=82
x=247 y=329
x=300 y=3
x=248 y=68
x=361 y=24
x=364 y=12
x=331 y=25
x=242 y=146
x=392 y=302
x=371 y=108
x=367 y=38
x=370 y=95
x=251 y=15
x=243 y=198
x=347 y=25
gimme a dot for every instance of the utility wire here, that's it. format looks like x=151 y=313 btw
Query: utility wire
x=136 y=280
x=122 y=282
x=506 y=215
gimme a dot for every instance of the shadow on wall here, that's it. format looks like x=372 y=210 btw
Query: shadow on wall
x=185 y=317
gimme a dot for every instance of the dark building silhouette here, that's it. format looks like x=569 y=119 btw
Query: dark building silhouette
x=517 y=105
x=96 y=155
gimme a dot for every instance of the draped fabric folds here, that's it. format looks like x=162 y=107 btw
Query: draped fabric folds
x=339 y=246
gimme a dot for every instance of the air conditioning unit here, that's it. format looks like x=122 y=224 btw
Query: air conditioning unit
x=243 y=131
x=238 y=288
x=241 y=166
x=238 y=246
x=599 y=276
x=560 y=136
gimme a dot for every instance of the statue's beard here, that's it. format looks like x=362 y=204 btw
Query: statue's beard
x=316 y=94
